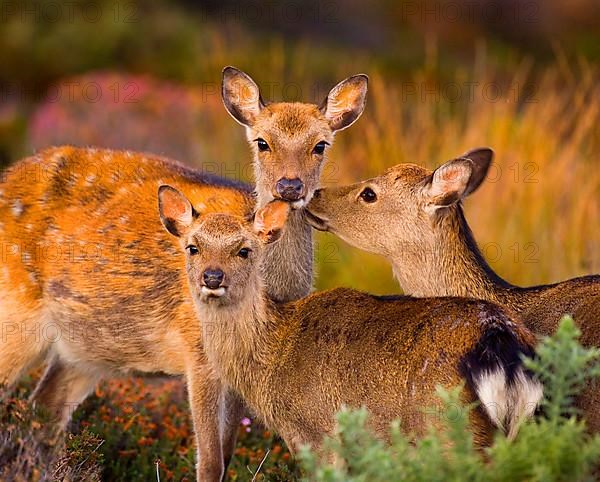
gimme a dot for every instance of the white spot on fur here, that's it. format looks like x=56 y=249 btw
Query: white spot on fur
x=17 y=208
x=299 y=204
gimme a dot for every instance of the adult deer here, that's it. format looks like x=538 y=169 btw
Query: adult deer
x=296 y=364
x=414 y=217
x=93 y=284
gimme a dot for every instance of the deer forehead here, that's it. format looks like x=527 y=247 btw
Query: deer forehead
x=409 y=175
x=220 y=229
x=293 y=121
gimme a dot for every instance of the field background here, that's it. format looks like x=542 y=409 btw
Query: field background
x=520 y=76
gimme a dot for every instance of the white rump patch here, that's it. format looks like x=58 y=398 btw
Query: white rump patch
x=508 y=406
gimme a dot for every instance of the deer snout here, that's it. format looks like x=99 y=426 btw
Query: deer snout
x=213 y=278
x=290 y=189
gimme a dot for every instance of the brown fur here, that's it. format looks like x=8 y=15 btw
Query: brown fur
x=91 y=281
x=297 y=364
x=433 y=251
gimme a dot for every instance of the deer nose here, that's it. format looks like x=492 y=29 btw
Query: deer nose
x=317 y=194
x=213 y=278
x=290 y=189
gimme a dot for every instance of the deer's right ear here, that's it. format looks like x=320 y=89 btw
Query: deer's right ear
x=240 y=96
x=270 y=220
x=176 y=212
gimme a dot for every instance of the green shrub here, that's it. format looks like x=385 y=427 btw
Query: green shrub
x=552 y=447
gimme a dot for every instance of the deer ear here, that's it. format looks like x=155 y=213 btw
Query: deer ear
x=481 y=158
x=241 y=96
x=345 y=102
x=270 y=220
x=176 y=212
x=448 y=183
x=458 y=178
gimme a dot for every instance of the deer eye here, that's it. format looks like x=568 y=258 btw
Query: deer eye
x=192 y=250
x=368 y=195
x=244 y=252
x=320 y=147
x=262 y=145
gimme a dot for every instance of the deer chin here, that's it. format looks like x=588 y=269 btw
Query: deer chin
x=320 y=224
x=208 y=293
x=298 y=204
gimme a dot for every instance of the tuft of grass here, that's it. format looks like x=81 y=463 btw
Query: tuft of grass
x=29 y=450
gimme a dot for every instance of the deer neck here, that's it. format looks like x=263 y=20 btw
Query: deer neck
x=288 y=263
x=449 y=263
x=238 y=339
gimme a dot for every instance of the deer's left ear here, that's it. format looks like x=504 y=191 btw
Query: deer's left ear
x=176 y=211
x=270 y=220
x=345 y=102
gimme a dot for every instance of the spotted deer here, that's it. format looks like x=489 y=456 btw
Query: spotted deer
x=414 y=217
x=297 y=363
x=93 y=284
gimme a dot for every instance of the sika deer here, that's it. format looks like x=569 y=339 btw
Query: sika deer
x=414 y=217
x=92 y=283
x=297 y=363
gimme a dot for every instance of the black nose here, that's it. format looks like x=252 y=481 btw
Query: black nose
x=317 y=194
x=290 y=189
x=212 y=278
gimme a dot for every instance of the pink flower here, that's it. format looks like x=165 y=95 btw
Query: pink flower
x=246 y=422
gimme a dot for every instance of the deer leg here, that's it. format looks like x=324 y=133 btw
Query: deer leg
x=234 y=410
x=208 y=413
x=62 y=388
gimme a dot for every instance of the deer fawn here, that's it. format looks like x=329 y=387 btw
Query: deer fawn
x=93 y=283
x=414 y=217
x=297 y=363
